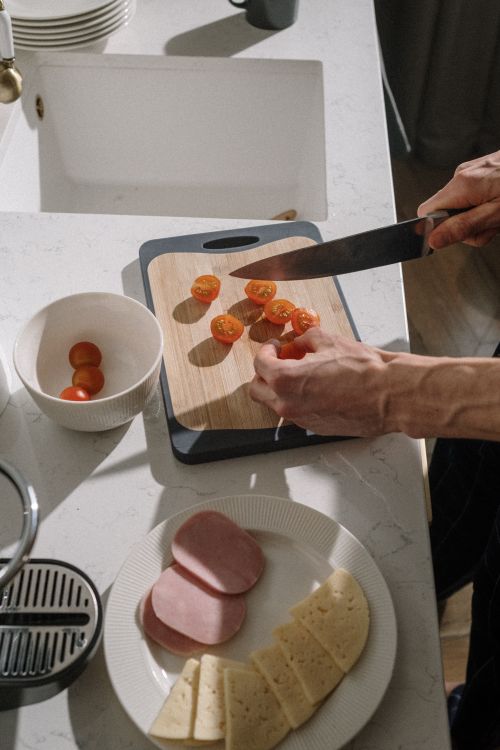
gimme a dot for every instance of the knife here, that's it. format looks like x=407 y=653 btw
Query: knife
x=395 y=243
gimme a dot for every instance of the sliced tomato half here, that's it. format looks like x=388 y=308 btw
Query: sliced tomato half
x=226 y=328
x=260 y=291
x=304 y=318
x=279 y=311
x=206 y=288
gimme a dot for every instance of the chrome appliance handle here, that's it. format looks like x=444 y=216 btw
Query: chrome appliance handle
x=30 y=522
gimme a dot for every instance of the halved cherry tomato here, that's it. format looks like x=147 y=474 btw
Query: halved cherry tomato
x=84 y=353
x=278 y=311
x=290 y=350
x=226 y=328
x=206 y=288
x=260 y=291
x=73 y=393
x=88 y=377
x=304 y=318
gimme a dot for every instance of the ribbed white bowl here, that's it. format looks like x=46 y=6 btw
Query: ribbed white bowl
x=131 y=342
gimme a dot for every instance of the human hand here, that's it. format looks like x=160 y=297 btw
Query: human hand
x=343 y=387
x=339 y=388
x=476 y=184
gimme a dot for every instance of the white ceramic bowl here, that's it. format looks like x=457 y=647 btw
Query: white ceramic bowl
x=131 y=343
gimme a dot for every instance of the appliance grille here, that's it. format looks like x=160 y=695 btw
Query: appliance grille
x=50 y=625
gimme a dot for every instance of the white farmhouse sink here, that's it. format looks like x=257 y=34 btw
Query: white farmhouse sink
x=168 y=136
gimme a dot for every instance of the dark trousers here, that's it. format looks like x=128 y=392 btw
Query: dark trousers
x=465 y=538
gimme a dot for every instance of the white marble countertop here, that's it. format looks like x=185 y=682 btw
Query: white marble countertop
x=101 y=493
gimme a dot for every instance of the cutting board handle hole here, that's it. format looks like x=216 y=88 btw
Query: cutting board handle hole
x=224 y=243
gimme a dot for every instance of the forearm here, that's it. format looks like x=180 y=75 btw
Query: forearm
x=444 y=396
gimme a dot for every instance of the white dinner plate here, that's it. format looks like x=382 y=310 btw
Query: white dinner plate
x=86 y=42
x=49 y=23
x=51 y=40
x=71 y=28
x=62 y=23
x=46 y=10
x=301 y=548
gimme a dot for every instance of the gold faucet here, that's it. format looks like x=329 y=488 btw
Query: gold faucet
x=11 y=80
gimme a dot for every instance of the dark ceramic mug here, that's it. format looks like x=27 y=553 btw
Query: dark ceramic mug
x=269 y=14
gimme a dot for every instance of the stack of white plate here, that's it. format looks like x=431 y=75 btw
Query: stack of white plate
x=66 y=24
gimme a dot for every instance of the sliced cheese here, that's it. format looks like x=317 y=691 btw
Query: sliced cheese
x=210 y=721
x=176 y=718
x=275 y=669
x=314 y=668
x=337 y=615
x=254 y=718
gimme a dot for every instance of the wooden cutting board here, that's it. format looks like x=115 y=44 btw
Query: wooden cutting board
x=208 y=381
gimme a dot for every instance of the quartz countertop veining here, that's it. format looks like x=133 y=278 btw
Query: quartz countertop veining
x=100 y=494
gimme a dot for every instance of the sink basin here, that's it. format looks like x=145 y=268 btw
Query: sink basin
x=167 y=136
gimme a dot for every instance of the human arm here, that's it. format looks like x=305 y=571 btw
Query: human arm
x=476 y=184
x=344 y=387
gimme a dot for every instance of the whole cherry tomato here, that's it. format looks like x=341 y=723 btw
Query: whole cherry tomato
x=278 y=311
x=304 y=318
x=290 y=350
x=84 y=353
x=90 y=378
x=260 y=291
x=226 y=328
x=206 y=288
x=73 y=393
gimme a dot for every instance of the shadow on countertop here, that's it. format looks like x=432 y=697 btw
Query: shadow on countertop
x=223 y=38
x=96 y=714
x=53 y=459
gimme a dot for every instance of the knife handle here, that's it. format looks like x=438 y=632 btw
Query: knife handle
x=446 y=213
x=432 y=220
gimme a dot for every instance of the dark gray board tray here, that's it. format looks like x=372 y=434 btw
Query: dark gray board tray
x=193 y=446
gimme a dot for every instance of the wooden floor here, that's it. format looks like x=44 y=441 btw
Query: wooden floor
x=453 y=308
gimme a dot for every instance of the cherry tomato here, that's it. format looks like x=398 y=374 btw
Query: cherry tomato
x=226 y=328
x=84 y=353
x=260 y=291
x=90 y=378
x=278 y=311
x=304 y=318
x=290 y=350
x=206 y=288
x=73 y=393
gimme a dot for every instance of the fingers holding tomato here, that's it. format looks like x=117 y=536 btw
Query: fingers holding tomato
x=291 y=350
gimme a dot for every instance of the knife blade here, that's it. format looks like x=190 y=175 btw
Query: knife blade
x=395 y=243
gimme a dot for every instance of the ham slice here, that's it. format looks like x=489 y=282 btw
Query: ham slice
x=160 y=633
x=186 y=605
x=218 y=552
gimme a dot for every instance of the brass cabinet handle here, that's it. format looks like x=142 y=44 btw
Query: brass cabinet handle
x=11 y=81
